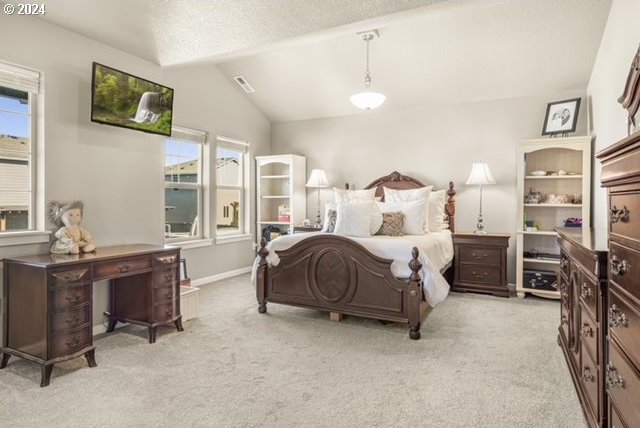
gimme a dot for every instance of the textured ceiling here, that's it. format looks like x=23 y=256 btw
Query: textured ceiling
x=170 y=32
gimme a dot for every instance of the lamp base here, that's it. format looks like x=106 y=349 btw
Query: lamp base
x=480 y=226
x=480 y=232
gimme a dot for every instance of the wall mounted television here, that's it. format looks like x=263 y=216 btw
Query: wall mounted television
x=121 y=99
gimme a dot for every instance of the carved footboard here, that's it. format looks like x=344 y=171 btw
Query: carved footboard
x=336 y=274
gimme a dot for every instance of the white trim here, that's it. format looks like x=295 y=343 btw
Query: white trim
x=220 y=276
x=225 y=239
x=24 y=238
x=195 y=243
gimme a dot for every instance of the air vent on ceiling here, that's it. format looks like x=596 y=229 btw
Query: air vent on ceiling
x=244 y=84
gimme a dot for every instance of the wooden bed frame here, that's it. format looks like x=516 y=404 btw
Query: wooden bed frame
x=335 y=274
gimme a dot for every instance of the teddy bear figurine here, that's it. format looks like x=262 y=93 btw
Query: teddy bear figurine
x=71 y=238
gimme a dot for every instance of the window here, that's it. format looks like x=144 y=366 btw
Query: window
x=232 y=214
x=19 y=210
x=185 y=171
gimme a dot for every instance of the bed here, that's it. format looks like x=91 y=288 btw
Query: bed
x=341 y=275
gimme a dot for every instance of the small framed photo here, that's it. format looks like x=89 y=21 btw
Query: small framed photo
x=561 y=117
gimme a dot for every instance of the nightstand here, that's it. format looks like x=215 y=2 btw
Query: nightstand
x=480 y=263
x=303 y=229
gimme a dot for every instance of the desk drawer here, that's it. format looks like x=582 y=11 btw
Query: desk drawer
x=70 y=297
x=169 y=260
x=624 y=269
x=589 y=292
x=112 y=269
x=66 y=344
x=66 y=277
x=163 y=312
x=589 y=333
x=590 y=378
x=162 y=294
x=69 y=320
x=624 y=215
x=624 y=325
x=480 y=255
x=623 y=386
x=480 y=274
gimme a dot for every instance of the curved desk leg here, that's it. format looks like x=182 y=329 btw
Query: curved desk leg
x=152 y=335
x=45 y=372
x=178 y=324
x=91 y=358
x=5 y=360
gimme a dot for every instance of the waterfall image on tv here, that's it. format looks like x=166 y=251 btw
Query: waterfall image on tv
x=124 y=100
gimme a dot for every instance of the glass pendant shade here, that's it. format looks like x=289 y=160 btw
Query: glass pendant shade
x=367 y=100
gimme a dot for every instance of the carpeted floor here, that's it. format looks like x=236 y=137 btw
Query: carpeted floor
x=482 y=362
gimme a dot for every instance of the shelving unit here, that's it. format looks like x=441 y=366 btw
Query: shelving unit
x=573 y=155
x=280 y=182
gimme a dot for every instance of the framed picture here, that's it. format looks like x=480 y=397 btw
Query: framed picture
x=561 y=117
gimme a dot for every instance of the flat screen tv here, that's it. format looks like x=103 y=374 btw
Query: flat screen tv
x=121 y=99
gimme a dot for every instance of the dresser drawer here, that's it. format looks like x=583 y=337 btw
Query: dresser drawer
x=163 y=312
x=161 y=294
x=480 y=255
x=616 y=420
x=589 y=333
x=65 y=277
x=564 y=264
x=589 y=292
x=480 y=274
x=564 y=307
x=116 y=268
x=624 y=325
x=590 y=378
x=69 y=343
x=70 y=297
x=623 y=387
x=624 y=215
x=624 y=268
x=69 y=320
x=162 y=278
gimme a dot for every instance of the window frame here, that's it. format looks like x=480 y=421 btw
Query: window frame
x=192 y=136
x=244 y=217
x=31 y=81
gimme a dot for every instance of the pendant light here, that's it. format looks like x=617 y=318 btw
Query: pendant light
x=368 y=99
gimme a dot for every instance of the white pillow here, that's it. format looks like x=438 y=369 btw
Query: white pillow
x=343 y=195
x=354 y=218
x=394 y=195
x=435 y=222
x=414 y=214
x=376 y=219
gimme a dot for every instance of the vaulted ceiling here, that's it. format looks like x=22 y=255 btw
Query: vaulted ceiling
x=304 y=58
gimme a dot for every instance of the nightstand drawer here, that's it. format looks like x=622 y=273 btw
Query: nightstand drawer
x=480 y=255
x=480 y=274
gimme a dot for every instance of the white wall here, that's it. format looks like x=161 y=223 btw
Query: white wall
x=119 y=172
x=435 y=145
x=608 y=119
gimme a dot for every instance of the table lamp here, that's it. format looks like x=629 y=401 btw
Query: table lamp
x=318 y=180
x=480 y=175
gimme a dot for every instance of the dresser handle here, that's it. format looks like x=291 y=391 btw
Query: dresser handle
x=73 y=320
x=619 y=267
x=585 y=290
x=72 y=276
x=479 y=257
x=124 y=268
x=616 y=215
x=616 y=317
x=587 y=331
x=587 y=376
x=564 y=262
x=73 y=342
x=613 y=379
x=75 y=298
x=478 y=275
x=564 y=320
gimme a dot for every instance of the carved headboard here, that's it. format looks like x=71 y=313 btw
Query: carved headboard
x=395 y=180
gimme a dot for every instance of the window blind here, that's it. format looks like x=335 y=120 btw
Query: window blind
x=188 y=134
x=19 y=78
x=232 y=144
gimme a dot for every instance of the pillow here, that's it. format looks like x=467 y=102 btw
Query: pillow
x=414 y=214
x=394 y=195
x=329 y=218
x=376 y=219
x=354 y=218
x=392 y=224
x=435 y=222
x=343 y=195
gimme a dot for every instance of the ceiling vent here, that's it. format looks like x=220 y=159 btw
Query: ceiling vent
x=240 y=80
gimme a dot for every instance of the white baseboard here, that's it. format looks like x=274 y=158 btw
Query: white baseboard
x=220 y=276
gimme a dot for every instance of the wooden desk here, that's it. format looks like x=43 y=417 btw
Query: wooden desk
x=49 y=300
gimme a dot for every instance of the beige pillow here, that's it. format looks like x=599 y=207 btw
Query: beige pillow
x=392 y=224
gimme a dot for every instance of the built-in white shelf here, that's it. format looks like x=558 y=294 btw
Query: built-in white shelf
x=554 y=205
x=552 y=177
x=539 y=232
x=541 y=261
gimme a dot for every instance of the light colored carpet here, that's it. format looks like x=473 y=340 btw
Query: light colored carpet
x=482 y=362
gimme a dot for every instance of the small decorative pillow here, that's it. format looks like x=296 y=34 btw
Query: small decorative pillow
x=354 y=218
x=343 y=195
x=414 y=214
x=329 y=218
x=392 y=224
x=435 y=212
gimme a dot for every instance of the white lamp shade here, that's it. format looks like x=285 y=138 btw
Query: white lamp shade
x=318 y=179
x=480 y=174
x=367 y=100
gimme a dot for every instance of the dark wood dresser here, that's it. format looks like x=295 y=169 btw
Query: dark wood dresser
x=621 y=177
x=48 y=318
x=480 y=263
x=583 y=284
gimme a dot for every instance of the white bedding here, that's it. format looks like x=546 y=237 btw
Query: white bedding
x=436 y=253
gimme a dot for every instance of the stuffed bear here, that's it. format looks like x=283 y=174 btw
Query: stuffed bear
x=71 y=238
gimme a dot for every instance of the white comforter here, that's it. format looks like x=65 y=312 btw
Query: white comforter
x=436 y=252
